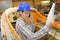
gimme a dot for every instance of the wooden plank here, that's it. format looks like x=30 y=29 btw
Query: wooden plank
x=6 y=31
x=18 y=2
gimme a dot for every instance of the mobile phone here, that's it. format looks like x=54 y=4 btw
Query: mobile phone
x=29 y=15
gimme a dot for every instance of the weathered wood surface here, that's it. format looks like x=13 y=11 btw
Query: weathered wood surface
x=7 y=33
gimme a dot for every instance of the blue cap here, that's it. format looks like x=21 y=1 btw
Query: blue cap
x=23 y=7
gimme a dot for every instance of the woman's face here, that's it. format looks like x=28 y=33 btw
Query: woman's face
x=25 y=14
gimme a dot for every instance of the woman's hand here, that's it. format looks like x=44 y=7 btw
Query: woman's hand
x=31 y=19
x=50 y=22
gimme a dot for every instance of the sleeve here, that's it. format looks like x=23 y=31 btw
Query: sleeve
x=30 y=34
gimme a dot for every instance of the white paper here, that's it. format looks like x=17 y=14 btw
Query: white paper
x=50 y=17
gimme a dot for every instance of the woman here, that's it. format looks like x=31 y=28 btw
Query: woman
x=25 y=30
